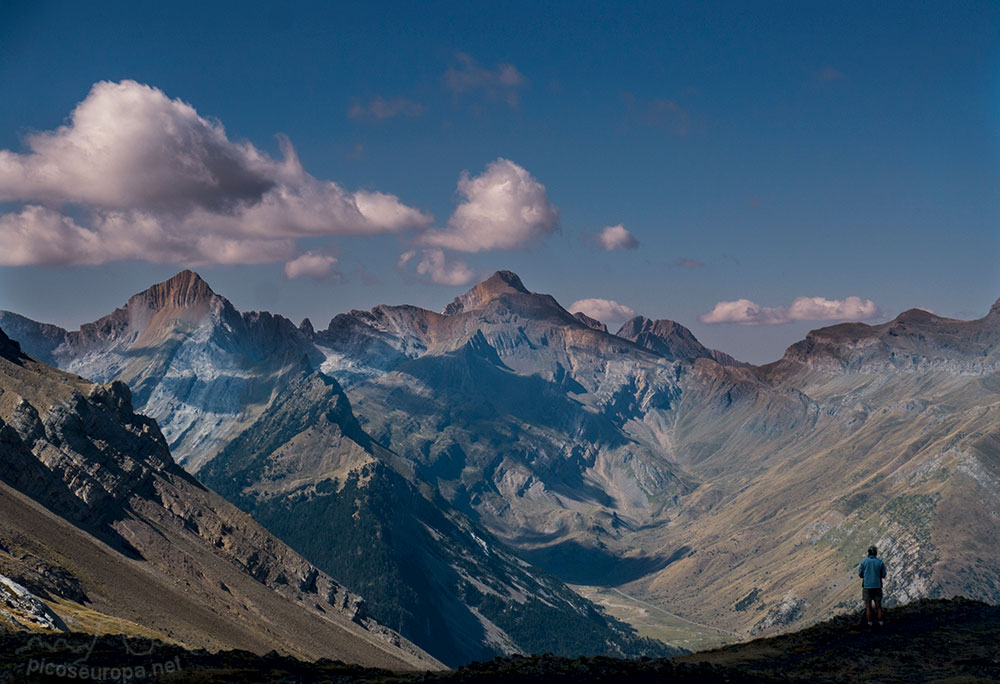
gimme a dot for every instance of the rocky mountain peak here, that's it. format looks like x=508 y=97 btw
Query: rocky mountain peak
x=665 y=337
x=498 y=284
x=183 y=290
x=995 y=309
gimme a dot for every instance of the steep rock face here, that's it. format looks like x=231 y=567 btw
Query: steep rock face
x=307 y=471
x=79 y=449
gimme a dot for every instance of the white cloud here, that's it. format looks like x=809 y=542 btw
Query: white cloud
x=38 y=234
x=435 y=266
x=312 y=265
x=616 y=237
x=154 y=180
x=504 y=208
x=746 y=312
x=381 y=108
x=502 y=83
x=604 y=310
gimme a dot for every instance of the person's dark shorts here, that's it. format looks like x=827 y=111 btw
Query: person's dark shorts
x=871 y=594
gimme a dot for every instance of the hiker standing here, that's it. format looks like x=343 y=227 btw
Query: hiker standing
x=871 y=572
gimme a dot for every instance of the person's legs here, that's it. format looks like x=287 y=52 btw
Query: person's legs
x=878 y=606
x=868 y=610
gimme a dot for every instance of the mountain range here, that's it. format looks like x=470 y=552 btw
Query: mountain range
x=457 y=468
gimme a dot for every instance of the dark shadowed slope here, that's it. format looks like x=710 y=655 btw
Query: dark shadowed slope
x=98 y=520
x=929 y=641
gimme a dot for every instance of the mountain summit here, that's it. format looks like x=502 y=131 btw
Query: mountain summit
x=187 y=288
x=498 y=284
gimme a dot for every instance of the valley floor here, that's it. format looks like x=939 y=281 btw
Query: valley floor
x=656 y=622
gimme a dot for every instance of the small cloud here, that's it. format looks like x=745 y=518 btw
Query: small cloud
x=828 y=75
x=612 y=238
x=380 y=108
x=687 y=263
x=505 y=207
x=604 y=310
x=312 y=265
x=747 y=312
x=437 y=268
x=502 y=83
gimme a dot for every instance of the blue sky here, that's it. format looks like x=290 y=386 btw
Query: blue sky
x=791 y=150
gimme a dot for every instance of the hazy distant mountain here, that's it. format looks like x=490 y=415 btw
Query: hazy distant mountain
x=97 y=520
x=737 y=496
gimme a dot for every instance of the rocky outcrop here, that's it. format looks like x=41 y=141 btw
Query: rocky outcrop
x=19 y=608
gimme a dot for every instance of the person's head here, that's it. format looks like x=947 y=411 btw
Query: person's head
x=872 y=551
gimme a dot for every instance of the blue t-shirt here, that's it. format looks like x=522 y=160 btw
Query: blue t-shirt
x=872 y=570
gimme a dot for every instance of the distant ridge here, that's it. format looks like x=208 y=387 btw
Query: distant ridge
x=915 y=339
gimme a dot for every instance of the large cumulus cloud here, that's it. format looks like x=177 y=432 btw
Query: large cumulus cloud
x=135 y=174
